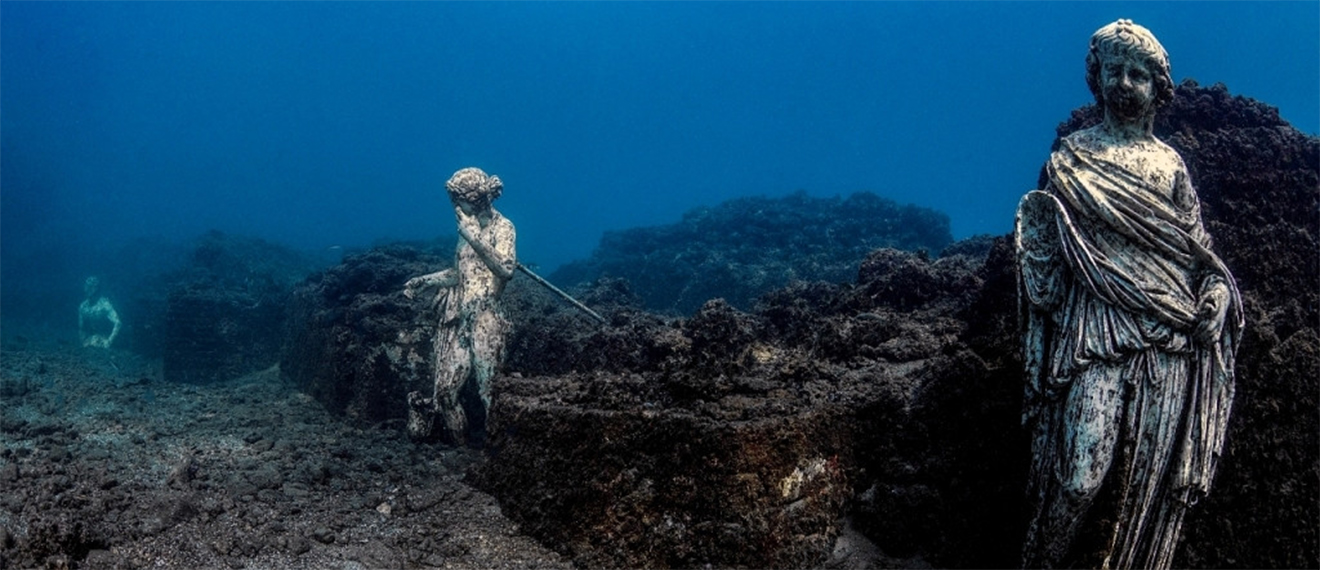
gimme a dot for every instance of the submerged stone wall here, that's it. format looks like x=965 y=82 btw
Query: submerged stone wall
x=212 y=334
x=224 y=312
x=635 y=486
x=355 y=343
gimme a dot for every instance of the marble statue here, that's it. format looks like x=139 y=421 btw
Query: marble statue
x=1131 y=328
x=469 y=344
x=98 y=322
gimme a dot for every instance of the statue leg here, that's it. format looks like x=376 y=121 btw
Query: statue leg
x=452 y=364
x=447 y=387
x=488 y=351
x=1073 y=454
x=1150 y=523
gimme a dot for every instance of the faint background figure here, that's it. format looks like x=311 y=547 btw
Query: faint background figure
x=469 y=343
x=1132 y=325
x=98 y=322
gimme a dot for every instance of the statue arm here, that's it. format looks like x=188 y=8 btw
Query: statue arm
x=1040 y=260
x=1213 y=295
x=1184 y=191
x=1040 y=289
x=499 y=254
x=113 y=316
x=442 y=279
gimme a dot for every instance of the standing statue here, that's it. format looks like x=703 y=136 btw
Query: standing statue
x=1131 y=328
x=469 y=343
x=98 y=322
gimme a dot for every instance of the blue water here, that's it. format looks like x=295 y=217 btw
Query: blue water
x=324 y=124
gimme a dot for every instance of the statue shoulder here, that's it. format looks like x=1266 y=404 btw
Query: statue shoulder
x=1088 y=141
x=500 y=222
x=1089 y=138
x=1169 y=153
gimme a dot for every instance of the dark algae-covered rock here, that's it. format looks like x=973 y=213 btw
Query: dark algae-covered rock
x=749 y=441
x=743 y=248
x=224 y=310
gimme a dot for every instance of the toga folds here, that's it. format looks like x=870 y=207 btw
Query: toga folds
x=1114 y=262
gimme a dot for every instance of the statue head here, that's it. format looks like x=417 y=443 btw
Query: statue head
x=92 y=287
x=474 y=187
x=1124 y=40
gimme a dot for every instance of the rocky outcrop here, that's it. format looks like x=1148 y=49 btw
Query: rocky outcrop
x=743 y=248
x=752 y=435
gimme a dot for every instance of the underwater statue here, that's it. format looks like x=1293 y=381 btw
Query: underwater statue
x=1131 y=328
x=98 y=322
x=469 y=343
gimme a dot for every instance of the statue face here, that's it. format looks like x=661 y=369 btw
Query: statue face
x=1128 y=86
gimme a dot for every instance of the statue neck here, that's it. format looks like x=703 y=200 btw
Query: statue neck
x=1126 y=131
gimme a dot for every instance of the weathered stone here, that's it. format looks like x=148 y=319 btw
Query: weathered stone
x=354 y=341
x=225 y=311
x=635 y=485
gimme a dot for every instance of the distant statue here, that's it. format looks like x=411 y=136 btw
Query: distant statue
x=1132 y=326
x=469 y=344
x=98 y=322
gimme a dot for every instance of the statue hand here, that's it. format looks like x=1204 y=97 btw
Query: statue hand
x=410 y=288
x=468 y=225
x=1211 y=311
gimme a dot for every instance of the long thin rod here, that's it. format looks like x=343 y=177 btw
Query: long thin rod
x=566 y=296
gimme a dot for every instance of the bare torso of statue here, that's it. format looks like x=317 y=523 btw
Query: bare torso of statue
x=1131 y=329
x=98 y=322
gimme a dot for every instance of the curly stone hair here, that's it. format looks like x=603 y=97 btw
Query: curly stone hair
x=474 y=186
x=1123 y=36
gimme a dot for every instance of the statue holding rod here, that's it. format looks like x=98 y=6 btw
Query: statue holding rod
x=469 y=344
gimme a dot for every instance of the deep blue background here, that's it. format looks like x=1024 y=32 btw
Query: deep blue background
x=322 y=124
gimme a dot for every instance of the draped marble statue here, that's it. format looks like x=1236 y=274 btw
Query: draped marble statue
x=1131 y=327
